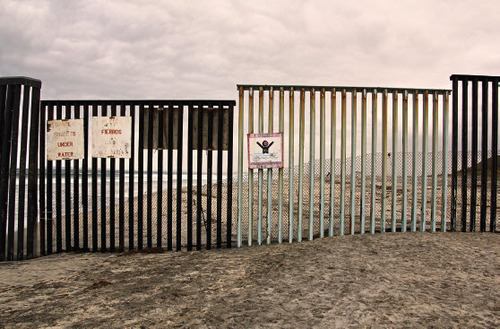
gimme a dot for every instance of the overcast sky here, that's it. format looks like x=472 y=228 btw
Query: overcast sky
x=112 y=49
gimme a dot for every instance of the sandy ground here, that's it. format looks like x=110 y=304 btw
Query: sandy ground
x=397 y=280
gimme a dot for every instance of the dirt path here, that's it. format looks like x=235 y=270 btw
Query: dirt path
x=421 y=280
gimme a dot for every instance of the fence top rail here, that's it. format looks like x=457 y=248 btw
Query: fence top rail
x=149 y=102
x=340 y=88
x=4 y=81
x=471 y=77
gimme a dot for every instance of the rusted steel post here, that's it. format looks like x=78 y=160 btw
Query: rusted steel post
x=280 y=171
x=484 y=154
x=465 y=151
x=354 y=114
x=312 y=148
x=250 y=171
x=405 y=160
x=291 y=169
x=434 y=160
x=301 y=163
x=444 y=191
x=394 y=158
x=241 y=114
x=424 y=159
x=363 y=162
x=454 y=157
x=333 y=141
x=270 y=172
x=342 y=164
x=261 y=171
x=384 y=161
x=414 y=163
x=494 y=150
x=374 y=159
x=322 y=165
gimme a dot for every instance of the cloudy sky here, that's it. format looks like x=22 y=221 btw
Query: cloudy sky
x=112 y=49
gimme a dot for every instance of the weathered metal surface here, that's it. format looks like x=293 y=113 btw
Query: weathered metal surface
x=280 y=172
x=424 y=161
x=312 y=149
x=354 y=125
x=434 y=161
x=414 y=206
x=394 y=173
x=405 y=164
x=362 y=211
x=322 y=166
x=291 y=168
x=333 y=142
x=270 y=171
x=342 y=163
x=260 y=171
x=444 y=189
x=384 y=161
x=301 y=163
x=65 y=139
x=374 y=154
x=111 y=137
x=241 y=116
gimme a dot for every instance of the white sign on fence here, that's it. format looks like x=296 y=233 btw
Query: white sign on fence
x=111 y=137
x=265 y=151
x=65 y=139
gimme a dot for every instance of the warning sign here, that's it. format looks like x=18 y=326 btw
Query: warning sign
x=65 y=139
x=265 y=151
x=111 y=137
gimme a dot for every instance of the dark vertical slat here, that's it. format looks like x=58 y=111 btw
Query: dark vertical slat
x=76 y=192
x=220 y=113
x=22 y=173
x=85 y=179
x=229 y=214
x=41 y=185
x=104 y=110
x=473 y=201
x=454 y=165
x=484 y=154
x=3 y=98
x=58 y=193
x=149 y=209
x=199 y=173
x=190 y=180
x=112 y=201
x=50 y=222
x=67 y=190
x=33 y=171
x=494 y=151
x=169 y=175
x=140 y=180
x=131 y=175
x=465 y=150
x=209 y=177
x=6 y=115
x=121 y=198
x=95 y=177
x=13 y=171
x=159 y=194
x=180 y=120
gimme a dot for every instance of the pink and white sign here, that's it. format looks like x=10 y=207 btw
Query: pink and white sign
x=265 y=151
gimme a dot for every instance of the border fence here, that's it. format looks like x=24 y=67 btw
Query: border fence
x=356 y=160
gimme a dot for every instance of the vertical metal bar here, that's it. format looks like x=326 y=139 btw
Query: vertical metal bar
x=209 y=176
x=199 y=173
x=121 y=201
x=85 y=179
x=190 y=179
x=140 y=179
x=261 y=171
x=424 y=160
x=475 y=123
x=67 y=190
x=13 y=171
x=374 y=160
x=322 y=164
x=76 y=192
x=484 y=154
x=291 y=167
x=465 y=151
x=103 y=192
x=170 y=146
x=240 y=165
x=250 y=171
x=50 y=224
x=354 y=132
x=220 y=122
x=23 y=149
x=434 y=161
x=342 y=164
x=394 y=158
x=405 y=160
x=149 y=186
x=301 y=162
x=159 y=189
x=312 y=160
x=58 y=194
x=95 y=216
x=363 y=162
x=131 y=175
x=414 y=185
x=494 y=151
x=384 y=161
x=280 y=170
x=333 y=141
x=180 y=132
x=454 y=160
x=41 y=191
x=229 y=213
x=112 y=202
x=270 y=172
x=444 y=196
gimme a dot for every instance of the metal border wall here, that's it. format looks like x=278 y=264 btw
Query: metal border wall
x=354 y=212
x=475 y=114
